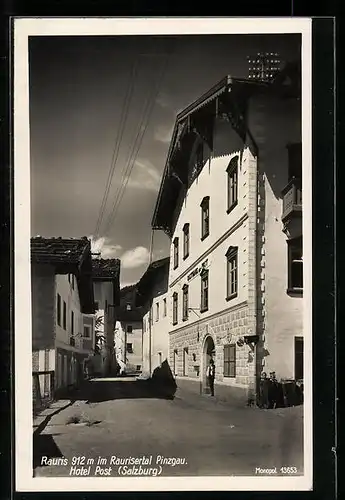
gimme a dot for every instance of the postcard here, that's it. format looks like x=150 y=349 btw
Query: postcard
x=162 y=207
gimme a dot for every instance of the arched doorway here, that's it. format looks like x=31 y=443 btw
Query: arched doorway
x=209 y=351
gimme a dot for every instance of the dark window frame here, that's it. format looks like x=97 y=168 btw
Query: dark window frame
x=157 y=311
x=87 y=328
x=229 y=365
x=164 y=307
x=185 y=302
x=58 y=309
x=299 y=352
x=64 y=315
x=204 y=299
x=175 y=308
x=186 y=240
x=72 y=322
x=231 y=256
x=129 y=350
x=232 y=184
x=129 y=328
x=185 y=361
x=295 y=275
x=205 y=217
x=176 y=252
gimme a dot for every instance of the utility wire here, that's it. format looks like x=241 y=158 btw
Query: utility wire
x=150 y=103
x=122 y=125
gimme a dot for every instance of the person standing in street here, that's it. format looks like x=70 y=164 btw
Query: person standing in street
x=210 y=373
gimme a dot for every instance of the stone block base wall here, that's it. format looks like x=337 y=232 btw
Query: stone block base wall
x=236 y=396
x=187 y=352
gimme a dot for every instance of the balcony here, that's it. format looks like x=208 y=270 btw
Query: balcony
x=292 y=199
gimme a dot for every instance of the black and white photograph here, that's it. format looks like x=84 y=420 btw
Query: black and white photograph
x=162 y=197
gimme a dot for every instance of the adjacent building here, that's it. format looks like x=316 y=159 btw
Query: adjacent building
x=63 y=328
x=152 y=296
x=230 y=201
x=106 y=286
x=128 y=332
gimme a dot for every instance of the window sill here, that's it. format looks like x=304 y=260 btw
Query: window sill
x=175 y=267
x=295 y=292
x=230 y=209
x=185 y=318
x=174 y=323
x=230 y=297
x=204 y=310
x=229 y=376
x=204 y=236
x=185 y=256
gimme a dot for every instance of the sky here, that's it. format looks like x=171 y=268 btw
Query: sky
x=80 y=131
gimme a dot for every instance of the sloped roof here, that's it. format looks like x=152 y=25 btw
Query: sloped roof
x=59 y=250
x=106 y=268
x=68 y=255
x=145 y=283
x=230 y=94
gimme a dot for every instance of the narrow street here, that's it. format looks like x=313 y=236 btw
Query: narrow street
x=124 y=418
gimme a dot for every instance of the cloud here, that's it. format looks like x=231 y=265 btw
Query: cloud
x=164 y=101
x=145 y=176
x=104 y=246
x=163 y=133
x=135 y=257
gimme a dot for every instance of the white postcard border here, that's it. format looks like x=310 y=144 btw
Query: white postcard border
x=25 y=27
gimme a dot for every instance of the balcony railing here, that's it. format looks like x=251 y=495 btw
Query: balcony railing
x=292 y=198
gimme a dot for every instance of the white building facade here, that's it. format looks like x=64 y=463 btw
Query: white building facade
x=232 y=208
x=153 y=296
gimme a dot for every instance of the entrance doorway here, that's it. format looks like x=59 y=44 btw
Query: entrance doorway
x=209 y=352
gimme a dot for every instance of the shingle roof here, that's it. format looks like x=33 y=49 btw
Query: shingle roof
x=59 y=250
x=106 y=268
x=68 y=255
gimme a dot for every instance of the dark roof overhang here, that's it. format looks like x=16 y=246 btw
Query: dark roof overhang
x=227 y=99
x=68 y=255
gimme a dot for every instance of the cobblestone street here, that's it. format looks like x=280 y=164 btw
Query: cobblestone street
x=124 y=418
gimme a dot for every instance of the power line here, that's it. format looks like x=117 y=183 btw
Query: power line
x=149 y=106
x=123 y=120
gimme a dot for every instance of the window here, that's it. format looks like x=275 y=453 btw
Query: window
x=87 y=332
x=175 y=308
x=230 y=360
x=295 y=265
x=64 y=316
x=72 y=276
x=294 y=161
x=175 y=243
x=128 y=307
x=58 y=309
x=232 y=171
x=72 y=322
x=175 y=362
x=96 y=306
x=204 y=291
x=205 y=217
x=138 y=368
x=185 y=240
x=185 y=303
x=232 y=272
x=129 y=347
x=185 y=361
x=129 y=329
x=69 y=278
x=144 y=325
x=157 y=311
x=164 y=307
x=106 y=306
x=298 y=358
